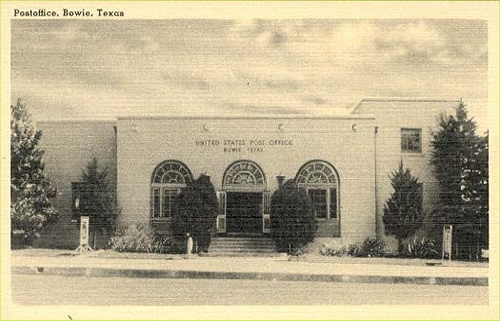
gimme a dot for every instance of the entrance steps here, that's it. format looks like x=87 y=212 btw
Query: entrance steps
x=242 y=246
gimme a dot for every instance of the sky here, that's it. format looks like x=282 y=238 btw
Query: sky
x=104 y=69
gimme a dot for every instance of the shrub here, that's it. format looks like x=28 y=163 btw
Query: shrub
x=136 y=238
x=354 y=250
x=293 y=223
x=420 y=247
x=402 y=211
x=372 y=248
x=342 y=250
x=161 y=244
x=296 y=253
x=133 y=238
x=177 y=248
x=98 y=201
x=334 y=250
x=197 y=213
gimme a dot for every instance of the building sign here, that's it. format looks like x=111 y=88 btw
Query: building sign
x=243 y=145
x=447 y=233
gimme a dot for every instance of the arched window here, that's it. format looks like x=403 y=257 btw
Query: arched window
x=321 y=182
x=243 y=175
x=167 y=180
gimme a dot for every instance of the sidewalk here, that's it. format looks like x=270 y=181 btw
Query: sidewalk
x=110 y=264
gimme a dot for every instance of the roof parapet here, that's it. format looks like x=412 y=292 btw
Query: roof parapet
x=403 y=99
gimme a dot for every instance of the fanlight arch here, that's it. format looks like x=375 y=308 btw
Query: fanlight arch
x=244 y=173
x=167 y=180
x=317 y=172
x=171 y=172
x=321 y=181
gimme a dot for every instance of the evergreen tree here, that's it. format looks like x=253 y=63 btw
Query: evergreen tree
x=31 y=190
x=196 y=212
x=454 y=145
x=293 y=223
x=403 y=211
x=481 y=199
x=460 y=160
x=97 y=200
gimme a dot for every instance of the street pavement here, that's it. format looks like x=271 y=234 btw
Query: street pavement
x=58 y=290
x=259 y=268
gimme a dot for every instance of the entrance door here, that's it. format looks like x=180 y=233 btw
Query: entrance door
x=243 y=214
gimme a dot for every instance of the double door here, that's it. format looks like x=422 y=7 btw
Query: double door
x=244 y=212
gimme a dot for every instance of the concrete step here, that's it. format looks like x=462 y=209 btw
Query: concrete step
x=239 y=239
x=245 y=246
x=241 y=246
x=248 y=248
x=243 y=240
x=245 y=235
x=266 y=250
x=240 y=254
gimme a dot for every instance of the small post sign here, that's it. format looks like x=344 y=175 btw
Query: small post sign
x=84 y=230
x=447 y=233
x=84 y=234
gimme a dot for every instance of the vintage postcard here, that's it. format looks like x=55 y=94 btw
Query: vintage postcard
x=249 y=160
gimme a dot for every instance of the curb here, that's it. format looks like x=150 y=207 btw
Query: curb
x=192 y=274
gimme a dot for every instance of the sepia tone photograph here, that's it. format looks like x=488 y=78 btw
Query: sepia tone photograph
x=163 y=160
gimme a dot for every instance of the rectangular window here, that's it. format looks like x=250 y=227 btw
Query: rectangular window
x=333 y=203
x=156 y=202
x=169 y=199
x=320 y=203
x=411 y=140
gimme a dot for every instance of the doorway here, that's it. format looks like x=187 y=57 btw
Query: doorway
x=243 y=213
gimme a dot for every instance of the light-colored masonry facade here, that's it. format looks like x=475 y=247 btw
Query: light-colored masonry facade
x=343 y=161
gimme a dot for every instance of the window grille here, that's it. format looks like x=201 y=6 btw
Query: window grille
x=320 y=180
x=411 y=140
x=167 y=181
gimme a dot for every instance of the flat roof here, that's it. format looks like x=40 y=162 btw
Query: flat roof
x=259 y=117
x=404 y=100
x=322 y=114
x=77 y=120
